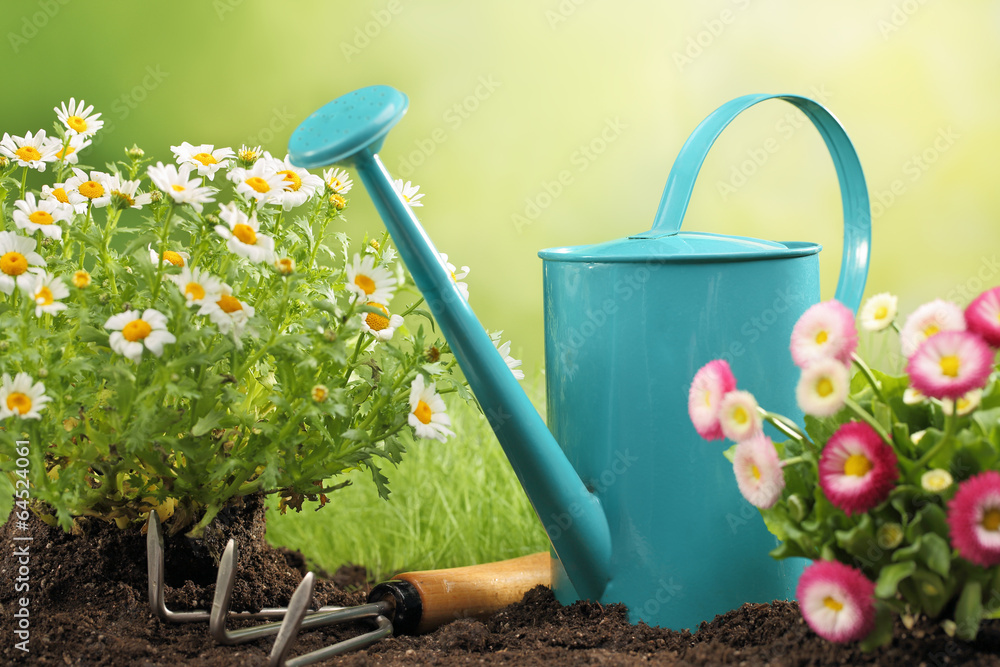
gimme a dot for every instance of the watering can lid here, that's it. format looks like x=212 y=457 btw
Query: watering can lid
x=680 y=247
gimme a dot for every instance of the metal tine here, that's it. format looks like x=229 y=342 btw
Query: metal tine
x=224 y=584
x=296 y=619
x=155 y=569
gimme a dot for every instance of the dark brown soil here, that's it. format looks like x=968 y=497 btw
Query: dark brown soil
x=88 y=606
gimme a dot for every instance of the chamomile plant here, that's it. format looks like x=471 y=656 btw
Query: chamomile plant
x=175 y=335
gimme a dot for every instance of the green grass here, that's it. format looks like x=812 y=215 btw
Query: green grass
x=453 y=503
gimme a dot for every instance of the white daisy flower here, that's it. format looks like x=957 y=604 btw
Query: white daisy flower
x=46 y=292
x=457 y=276
x=177 y=258
x=123 y=193
x=19 y=397
x=368 y=281
x=202 y=156
x=70 y=153
x=242 y=235
x=408 y=192
x=71 y=200
x=511 y=362
x=913 y=396
x=78 y=119
x=927 y=320
x=427 y=411
x=92 y=188
x=131 y=332
x=966 y=403
x=738 y=415
x=184 y=190
x=246 y=157
x=379 y=326
x=197 y=286
x=338 y=180
x=31 y=151
x=300 y=184
x=18 y=262
x=878 y=312
x=227 y=312
x=262 y=182
x=936 y=480
x=42 y=216
x=822 y=388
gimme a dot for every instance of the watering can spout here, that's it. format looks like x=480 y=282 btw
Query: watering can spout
x=351 y=129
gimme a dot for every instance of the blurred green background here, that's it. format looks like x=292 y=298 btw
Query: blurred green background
x=506 y=96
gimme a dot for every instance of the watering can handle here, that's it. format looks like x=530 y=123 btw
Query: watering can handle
x=853 y=191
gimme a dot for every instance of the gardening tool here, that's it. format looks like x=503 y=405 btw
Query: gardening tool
x=155 y=573
x=415 y=602
x=637 y=507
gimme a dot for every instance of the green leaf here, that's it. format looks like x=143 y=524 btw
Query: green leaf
x=890 y=576
x=730 y=453
x=969 y=610
x=936 y=553
x=210 y=421
x=881 y=634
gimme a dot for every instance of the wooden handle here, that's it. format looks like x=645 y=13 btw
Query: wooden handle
x=476 y=590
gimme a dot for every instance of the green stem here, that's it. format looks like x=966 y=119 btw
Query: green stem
x=24 y=182
x=950 y=421
x=793 y=460
x=783 y=424
x=164 y=233
x=861 y=412
x=86 y=227
x=62 y=162
x=867 y=372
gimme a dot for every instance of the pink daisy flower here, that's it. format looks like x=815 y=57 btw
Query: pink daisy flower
x=711 y=383
x=739 y=416
x=758 y=471
x=983 y=316
x=974 y=519
x=950 y=364
x=927 y=320
x=837 y=601
x=824 y=331
x=857 y=470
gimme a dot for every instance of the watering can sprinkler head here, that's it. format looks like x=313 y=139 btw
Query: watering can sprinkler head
x=352 y=129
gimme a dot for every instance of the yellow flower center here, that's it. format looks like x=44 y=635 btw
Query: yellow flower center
x=991 y=518
x=229 y=304
x=831 y=603
x=950 y=365
x=821 y=337
x=258 y=184
x=319 y=393
x=755 y=471
x=377 y=322
x=338 y=202
x=195 y=291
x=136 y=330
x=178 y=188
x=881 y=312
x=13 y=263
x=857 y=465
x=205 y=158
x=366 y=284
x=28 y=153
x=91 y=189
x=285 y=265
x=423 y=412
x=740 y=415
x=245 y=233
x=44 y=297
x=173 y=258
x=293 y=178
x=81 y=279
x=60 y=195
x=63 y=152
x=931 y=329
x=77 y=123
x=18 y=402
x=41 y=218
x=824 y=387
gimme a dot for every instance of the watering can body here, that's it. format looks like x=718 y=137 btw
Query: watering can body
x=637 y=507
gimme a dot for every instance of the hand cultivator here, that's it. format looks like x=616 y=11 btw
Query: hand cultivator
x=412 y=603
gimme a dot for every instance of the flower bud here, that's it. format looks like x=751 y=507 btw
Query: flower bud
x=245 y=157
x=212 y=219
x=43 y=372
x=155 y=196
x=432 y=354
x=4 y=162
x=127 y=305
x=135 y=153
x=104 y=298
x=319 y=393
x=285 y=266
x=4 y=345
x=889 y=536
x=338 y=202
x=330 y=334
x=81 y=279
x=374 y=244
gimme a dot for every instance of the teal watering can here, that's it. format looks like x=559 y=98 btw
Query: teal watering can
x=638 y=508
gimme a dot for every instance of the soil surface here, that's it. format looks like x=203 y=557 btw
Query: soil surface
x=88 y=605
